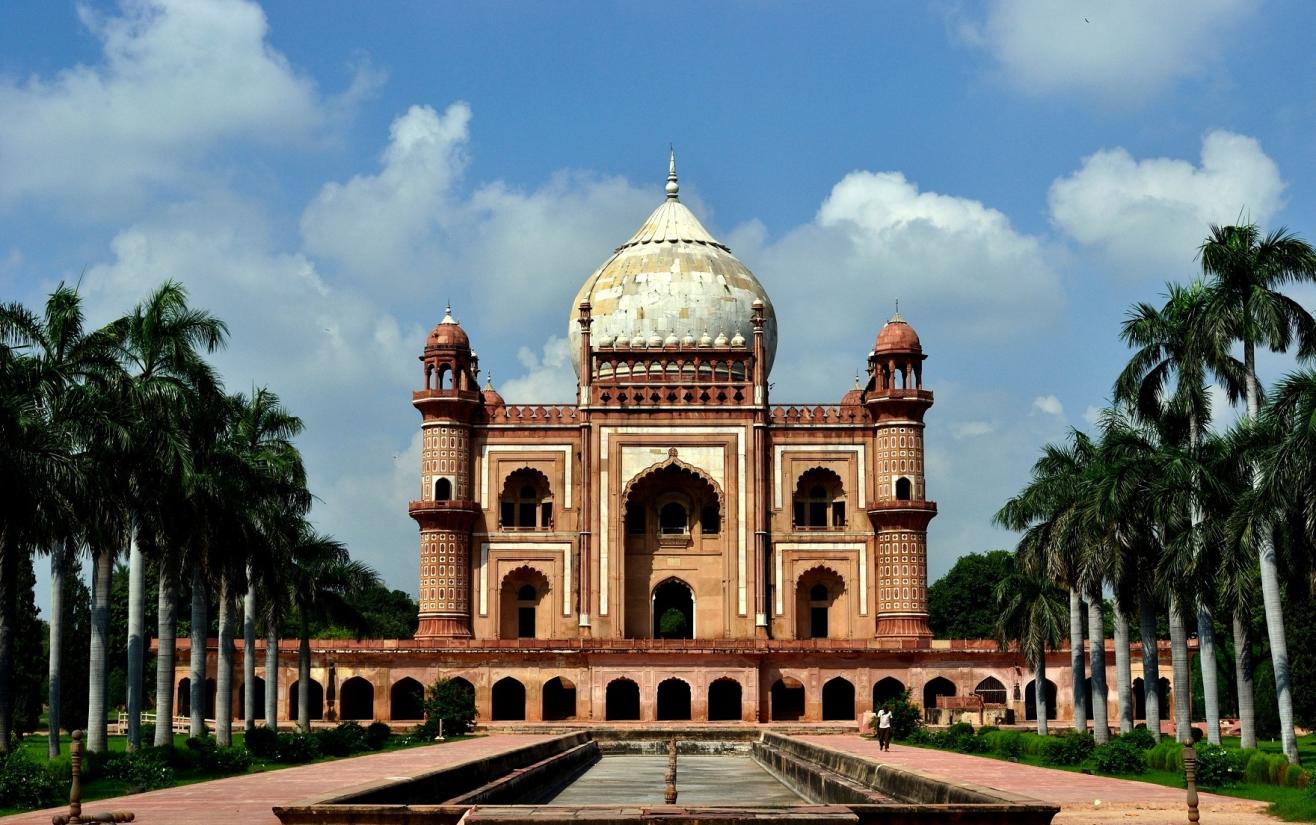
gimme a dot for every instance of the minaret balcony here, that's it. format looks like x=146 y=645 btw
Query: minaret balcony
x=452 y=514
x=902 y=514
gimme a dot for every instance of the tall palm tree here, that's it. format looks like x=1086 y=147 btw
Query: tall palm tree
x=1031 y=616
x=1178 y=350
x=1246 y=271
x=1051 y=504
x=321 y=579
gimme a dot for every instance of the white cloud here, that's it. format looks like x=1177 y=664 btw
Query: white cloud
x=1149 y=216
x=1048 y=405
x=1092 y=415
x=548 y=377
x=1116 y=51
x=972 y=429
x=177 y=80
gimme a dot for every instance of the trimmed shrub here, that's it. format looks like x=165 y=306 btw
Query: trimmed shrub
x=1256 y=767
x=453 y=703
x=1119 y=756
x=1140 y=738
x=296 y=747
x=1296 y=777
x=24 y=783
x=230 y=760
x=986 y=729
x=142 y=770
x=148 y=734
x=1217 y=766
x=918 y=736
x=1166 y=756
x=344 y=740
x=1067 y=749
x=262 y=742
x=377 y=735
x=960 y=729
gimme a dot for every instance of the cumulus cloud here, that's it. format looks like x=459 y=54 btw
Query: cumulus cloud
x=176 y=80
x=1149 y=216
x=548 y=377
x=1048 y=405
x=1115 y=51
x=972 y=429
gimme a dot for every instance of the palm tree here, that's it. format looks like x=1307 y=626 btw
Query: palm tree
x=321 y=579
x=1178 y=350
x=1246 y=271
x=1051 y=505
x=1032 y=616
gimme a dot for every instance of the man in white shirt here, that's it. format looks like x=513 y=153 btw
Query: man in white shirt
x=884 y=729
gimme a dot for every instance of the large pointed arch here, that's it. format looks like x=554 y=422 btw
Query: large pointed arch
x=672 y=461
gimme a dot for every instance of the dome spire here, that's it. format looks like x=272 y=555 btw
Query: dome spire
x=672 y=186
x=447 y=315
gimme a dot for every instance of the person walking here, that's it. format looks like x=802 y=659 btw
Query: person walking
x=884 y=729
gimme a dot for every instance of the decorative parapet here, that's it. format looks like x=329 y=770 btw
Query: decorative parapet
x=799 y=415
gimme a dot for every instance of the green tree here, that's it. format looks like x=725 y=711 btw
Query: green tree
x=961 y=604
x=1030 y=614
x=451 y=703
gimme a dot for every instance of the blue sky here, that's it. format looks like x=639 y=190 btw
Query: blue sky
x=326 y=176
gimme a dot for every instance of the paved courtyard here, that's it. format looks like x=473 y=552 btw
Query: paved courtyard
x=1077 y=794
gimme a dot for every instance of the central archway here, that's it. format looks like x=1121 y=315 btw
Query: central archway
x=724 y=702
x=673 y=700
x=507 y=700
x=621 y=702
x=673 y=610
x=940 y=686
x=838 y=700
x=356 y=699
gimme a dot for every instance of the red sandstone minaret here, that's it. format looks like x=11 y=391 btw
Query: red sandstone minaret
x=900 y=511
x=450 y=400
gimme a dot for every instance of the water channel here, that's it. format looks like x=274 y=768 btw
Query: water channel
x=722 y=780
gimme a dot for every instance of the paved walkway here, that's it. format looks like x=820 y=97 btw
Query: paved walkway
x=248 y=799
x=1082 y=798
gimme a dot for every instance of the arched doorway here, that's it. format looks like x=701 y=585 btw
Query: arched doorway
x=673 y=610
x=819 y=613
x=940 y=686
x=507 y=700
x=886 y=689
x=787 y=697
x=991 y=690
x=621 y=702
x=838 y=700
x=258 y=686
x=314 y=702
x=211 y=690
x=183 y=701
x=1030 y=700
x=524 y=611
x=673 y=700
x=724 y=700
x=356 y=699
x=406 y=699
x=1140 y=698
x=558 y=700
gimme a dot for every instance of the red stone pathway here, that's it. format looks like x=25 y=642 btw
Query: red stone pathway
x=1076 y=793
x=247 y=799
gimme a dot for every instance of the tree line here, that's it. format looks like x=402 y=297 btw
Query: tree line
x=1176 y=520
x=122 y=442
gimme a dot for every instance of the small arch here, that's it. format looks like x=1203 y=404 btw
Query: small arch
x=673 y=702
x=787 y=699
x=724 y=700
x=674 y=519
x=558 y=699
x=1140 y=698
x=673 y=610
x=522 y=610
x=1030 y=700
x=445 y=377
x=838 y=700
x=526 y=502
x=817 y=607
x=258 y=700
x=442 y=489
x=819 y=500
x=991 y=690
x=356 y=699
x=887 y=689
x=904 y=489
x=940 y=686
x=211 y=690
x=406 y=699
x=183 y=702
x=507 y=700
x=621 y=702
x=314 y=701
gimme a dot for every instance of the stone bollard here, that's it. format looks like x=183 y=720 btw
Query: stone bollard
x=74 y=816
x=669 y=795
x=1190 y=780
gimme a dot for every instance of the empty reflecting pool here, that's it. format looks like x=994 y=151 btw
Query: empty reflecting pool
x=700 y=780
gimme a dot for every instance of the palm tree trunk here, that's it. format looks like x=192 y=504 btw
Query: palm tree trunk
x=1182 y=691
x=1247 y=712
x=8 y=602
x=1097 y=653
x=55 y=663
x=1151 y=667
x=1123 y=673
x=1039 y=692
x=102 y=570
x=1270 y=591
x=249 y=657
x=198 y=672
x=224 y=669
x=1210 y=687
x=272 y=677
x=304 y=681
x=1078 y=674
x=136 y=627
x=166 y=632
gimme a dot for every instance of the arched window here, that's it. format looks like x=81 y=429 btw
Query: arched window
x=940 y=686
x=445 y=377
x=673 y=610
x=673 y=519
x=521 y=593
x=904 y=489
x=991 y=691
x=526 y=502
x=819 y=500
x=443 y=489
x=819 y=601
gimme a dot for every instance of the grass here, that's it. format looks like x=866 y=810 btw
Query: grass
x=1291 y=804
x=36 y=746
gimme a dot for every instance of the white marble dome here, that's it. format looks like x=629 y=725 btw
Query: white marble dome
x=672 y=278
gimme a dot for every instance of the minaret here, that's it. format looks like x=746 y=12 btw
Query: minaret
x=451 y=398
x=900 y=511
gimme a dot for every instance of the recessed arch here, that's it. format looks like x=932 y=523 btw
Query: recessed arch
x=507 y=700
x=526 y=501
x=819 y=607
x=838 y=700
x=673 y=466
x=673 y=610
x=673 y=700
x=939 y=686
x=558 y=700
x=314 y=701
x=406 y=699
x=992 y=691
x=356 y=699
x=819 y=500
x=1030 y=700
x=904 y=489
x=442 y=489
x=887 y=689
x=524 y=605
x=724 y=700
x=787 y=699
x=621 y=701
